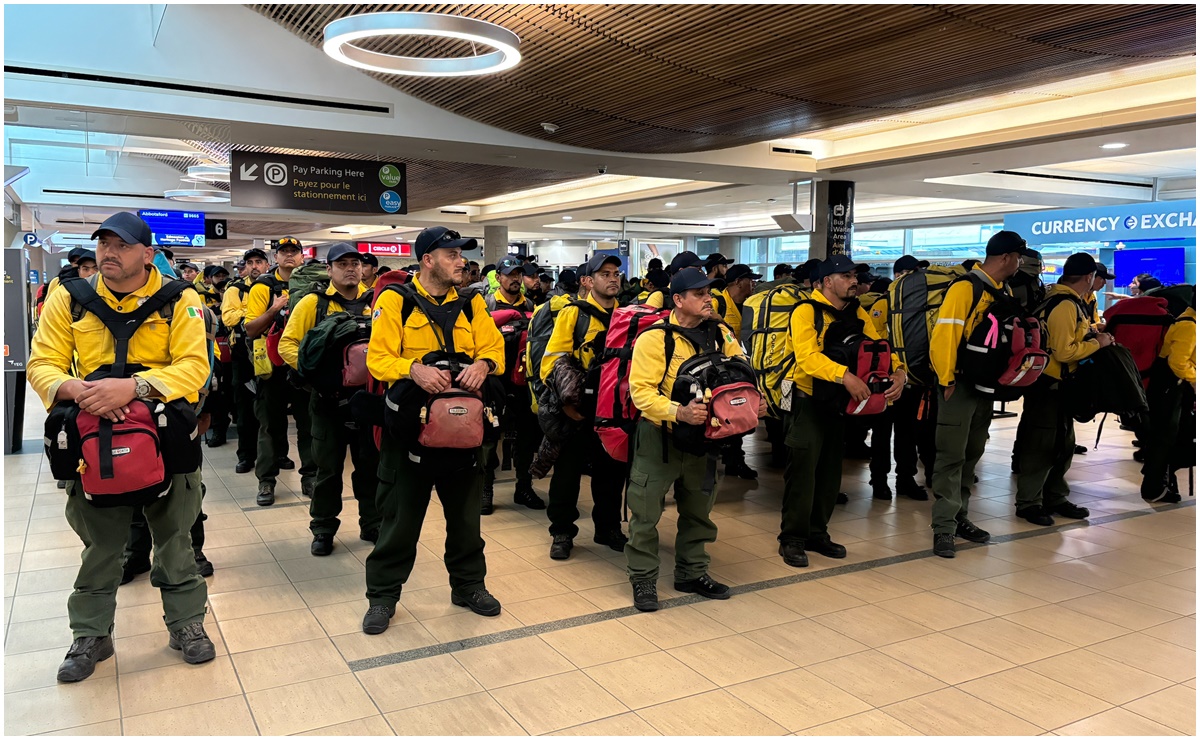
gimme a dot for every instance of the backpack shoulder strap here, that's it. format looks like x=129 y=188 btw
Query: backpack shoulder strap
x=122 y=326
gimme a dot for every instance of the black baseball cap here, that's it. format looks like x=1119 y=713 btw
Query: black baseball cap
x=807 y=271
x=714 y=259
x=686 y=280
x=239 y=264
x=1005 y=242
x=568 y=277
x=658 y=278
x=86 y=254
x=781 y=270
x=835 y=265
x=126 y=225
x=213 y=270
x=1079 y=264
x=509 y=265
x=340 y=250
x=682 y=260
x=188 y=265
x=598 y=261
x=290 y=242
x=923 y=263
x=654 y=263
x=439 y=237
x=905 y=264
x=369 y=259
x=253 y=252
x=77 y=253
x=737 y=272
x=1102 y=271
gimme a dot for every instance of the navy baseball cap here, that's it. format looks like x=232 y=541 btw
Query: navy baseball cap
x=598 y=261
x=1102 y=271
x=1079 y=264
x=835 y=265
x=340 y=250
x=369 y=259
x=186 y=266
x=658 y=278
x=1004 y=242
x=77 y=253
x=439 y=237
x=686 y=280
x=86 y=254
x=253 y=252
x=509 y=265
x=127 y=226
x=213 y=270
x=906 y=263
x=737 y=272
x=715 y=259
x=682 y=260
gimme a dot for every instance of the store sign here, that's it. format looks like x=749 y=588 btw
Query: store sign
x=840 y=219
x=1175 y=219
x=317 y=184
x=386 y=249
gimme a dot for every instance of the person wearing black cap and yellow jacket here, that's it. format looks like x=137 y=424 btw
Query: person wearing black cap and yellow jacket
x=173 y=353
x=602 y=274
x=682 y=261
x=333 y=430
x=1170 y=435
x=964 y=414
x=398 y=346
x=815 y=432
x=266 y=310
x=1046 y=433
x=233 y=311
x=658 y=466
x=370 y=270
x=727 y=306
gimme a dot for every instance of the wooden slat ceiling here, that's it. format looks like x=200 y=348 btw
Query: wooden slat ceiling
x=682 y=78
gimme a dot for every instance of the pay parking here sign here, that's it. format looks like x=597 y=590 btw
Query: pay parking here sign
x=318 y=184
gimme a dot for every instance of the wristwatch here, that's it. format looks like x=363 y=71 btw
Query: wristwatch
x=141 y=388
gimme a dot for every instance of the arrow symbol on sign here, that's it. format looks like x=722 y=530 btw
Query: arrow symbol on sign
x=248 y=172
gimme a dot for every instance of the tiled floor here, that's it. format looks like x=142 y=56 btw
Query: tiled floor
x=1084 y=630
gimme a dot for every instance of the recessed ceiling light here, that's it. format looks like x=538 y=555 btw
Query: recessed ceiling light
x=1114 y=145
x=670 y=204
x=566 y=218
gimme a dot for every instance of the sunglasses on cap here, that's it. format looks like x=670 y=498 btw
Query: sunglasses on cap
x=287 y=241
x=450 y=236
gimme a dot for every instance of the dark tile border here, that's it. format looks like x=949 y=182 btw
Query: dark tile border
x=455 y=646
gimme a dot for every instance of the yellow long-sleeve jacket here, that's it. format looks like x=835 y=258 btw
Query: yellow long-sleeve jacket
x=652 y=376
x=802 y=339
x=233 y=305
x=562 y=339
x=1066 y=327
x=879 y=315
x=395 y=346
x=1179 y=347
x=208 y=294
x=304 y=318
x=175 y=351
x=728 y=311
x=258 y=300
x=956 y=320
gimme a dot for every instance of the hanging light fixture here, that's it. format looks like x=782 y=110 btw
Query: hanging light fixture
x=197 y=196
x=208 y=173
x=341 y=34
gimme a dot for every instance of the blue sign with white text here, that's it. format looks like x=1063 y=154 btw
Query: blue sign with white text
x=175 y=228
x=1172 y=219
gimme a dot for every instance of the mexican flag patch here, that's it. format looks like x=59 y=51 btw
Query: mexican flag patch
x=194 y=313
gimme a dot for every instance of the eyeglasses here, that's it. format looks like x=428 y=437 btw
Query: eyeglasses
x=450 y=236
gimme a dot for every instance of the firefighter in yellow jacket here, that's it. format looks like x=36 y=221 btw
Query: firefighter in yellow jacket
x=1172 y=397
x=233 y=310
x=396 y=352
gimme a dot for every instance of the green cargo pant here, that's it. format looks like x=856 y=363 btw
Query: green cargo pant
x=271 y=408
x=93 y=604
x=649 y=480
x=244 y=402
x=1046 y=435
x=402 y=498
x=962 y=435
x=330 y=437
x=816 y=439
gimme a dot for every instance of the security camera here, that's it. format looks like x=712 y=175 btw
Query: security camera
x=602 y=169
x=392 y=227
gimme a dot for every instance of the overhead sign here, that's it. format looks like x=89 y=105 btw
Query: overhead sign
x=175 y=228
x=30 y=239
x=388 y=249
x=16 y=311
x=215 y=228
x=1172 y=219
x=317 y=184
x=623 y=247
x=33 y=277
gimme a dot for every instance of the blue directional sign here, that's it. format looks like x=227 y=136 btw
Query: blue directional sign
x=175 y=228
x=30 y=239
x=1171 y=219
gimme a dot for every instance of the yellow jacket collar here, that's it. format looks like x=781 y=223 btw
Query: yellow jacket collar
x=154 y=281
x=451 y=294
x=993 y=283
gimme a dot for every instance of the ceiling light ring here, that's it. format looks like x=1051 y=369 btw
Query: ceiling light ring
x=341 y=34
x=197 y=196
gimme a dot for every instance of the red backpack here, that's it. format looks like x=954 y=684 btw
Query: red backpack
x=513 y=323
x=616 y=415
x=869 y=359
x=1005 y=353
x=1140 y=324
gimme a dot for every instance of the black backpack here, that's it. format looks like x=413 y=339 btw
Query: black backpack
x=1004 y=354
x=707 y=370
x=1107 y=382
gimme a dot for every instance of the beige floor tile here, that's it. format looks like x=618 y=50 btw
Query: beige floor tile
x=1042 y=586
x=517 y=537
x=334 y=590
x=1100 y=676
x=1090 y=574
x=1119 y=610
x=1067 y=625
x=1174 y=707
x=954 y=712
x=276 y=666
x=1110 y=538
x=40 y=581
x=872 y=723
x=539 y=556
x=805 y=642
x=151 y=650
x=1152 y=655
x=589 y=574
x=370 y=726
x=876 y=678
x=1185 y=579
x=649 y=679
x=399 y=637
x=598 y=643
x=230 y=716
x=1154 y=527
x=38 y=669
x=556 y=702
x=40 y=634
x=306 y=706
x=524 y=586
x=933 y=611
x=515 y=661
x=729 y=660
x=346 y=617
x=810 y=598
x=1025 y=555
x=1181 y=632
x=871 y=586
x=246 y=576
x=309 y=568
x=1034 y=697
x=622 y=725
x=1116 y=721
x=924 y=574
x=746 y=612
x=474 y=714
x=604 y=598
x=1011 y=641
x=417 y=682
x=946 y=658
x=111 y=728
x=751 y=571
x=798 y=699
x=988 y=597
x=177 y=685
x=1160 y=595
x=468 y=624
x=61 y=706
x=255 y=601
x=872 y=626
x=714 y=713
x=1072 y=547
x=283 y=628
x=723 y=553
x=980 y=562
x=58 y=557
x=550 y=608
x=238 y=555
x=674 y=627
x=426 y=604
x=39 y=606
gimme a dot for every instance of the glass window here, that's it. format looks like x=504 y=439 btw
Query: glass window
x=952 y=244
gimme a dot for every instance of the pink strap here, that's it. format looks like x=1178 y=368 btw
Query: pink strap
x=993 y=335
